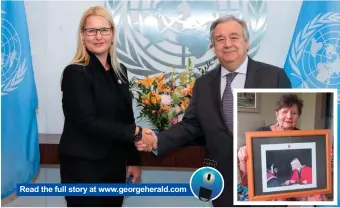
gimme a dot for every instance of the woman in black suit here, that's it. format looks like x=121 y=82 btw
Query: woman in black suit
x=97 y=143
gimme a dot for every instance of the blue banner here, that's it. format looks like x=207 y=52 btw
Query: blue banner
x=104 y=189
x=19 y=133
x=313 y=60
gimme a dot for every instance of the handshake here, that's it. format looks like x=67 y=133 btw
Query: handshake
x=148 y=142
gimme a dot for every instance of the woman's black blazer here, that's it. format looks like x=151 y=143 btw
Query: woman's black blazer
x=99 y=120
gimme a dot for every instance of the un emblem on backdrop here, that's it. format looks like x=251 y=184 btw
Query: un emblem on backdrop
x=315 y=54
x=13 y=66
x=156 y=36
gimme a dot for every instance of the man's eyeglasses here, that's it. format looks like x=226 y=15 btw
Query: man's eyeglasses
x=93 y=31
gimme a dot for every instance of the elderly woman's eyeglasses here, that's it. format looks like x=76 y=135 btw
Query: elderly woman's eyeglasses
x=93 y=31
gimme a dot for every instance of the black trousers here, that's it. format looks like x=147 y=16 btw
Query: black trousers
x=78 y=170
x=226 y=197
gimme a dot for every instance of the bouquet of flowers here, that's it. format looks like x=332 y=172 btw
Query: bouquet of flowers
x=163 y=102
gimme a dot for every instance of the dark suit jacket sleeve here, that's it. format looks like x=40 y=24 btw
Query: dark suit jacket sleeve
x=183 y=132
x=283 y=80
x=79 y=104
x=133 y=155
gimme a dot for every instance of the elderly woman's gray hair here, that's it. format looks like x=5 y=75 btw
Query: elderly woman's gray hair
x=228 y=18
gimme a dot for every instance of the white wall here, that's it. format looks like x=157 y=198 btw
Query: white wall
x=313 y=113
x=53 y=29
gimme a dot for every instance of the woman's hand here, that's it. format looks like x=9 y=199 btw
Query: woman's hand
x=135 y=171
x=242 y=156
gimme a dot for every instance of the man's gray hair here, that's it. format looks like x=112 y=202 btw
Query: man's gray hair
x=228 y=18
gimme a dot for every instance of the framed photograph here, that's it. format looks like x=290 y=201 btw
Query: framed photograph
x=287 y=164
x=248 y=102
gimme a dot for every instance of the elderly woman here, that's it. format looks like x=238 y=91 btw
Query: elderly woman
x=288 y=111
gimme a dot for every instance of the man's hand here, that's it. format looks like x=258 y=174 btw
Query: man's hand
x=135 y=171
x=148 y=142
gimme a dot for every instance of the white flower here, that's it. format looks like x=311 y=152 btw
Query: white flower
x=180 y=117
x=178 y=109
x=166 y=99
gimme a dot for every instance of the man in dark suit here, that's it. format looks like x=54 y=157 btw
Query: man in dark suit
x=210 y=111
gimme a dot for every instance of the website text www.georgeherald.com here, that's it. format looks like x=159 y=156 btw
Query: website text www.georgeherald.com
x=145 y=189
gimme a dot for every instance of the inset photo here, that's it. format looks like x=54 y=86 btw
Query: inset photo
x=284 y=147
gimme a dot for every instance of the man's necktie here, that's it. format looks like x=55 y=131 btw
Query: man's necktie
x=227 y=101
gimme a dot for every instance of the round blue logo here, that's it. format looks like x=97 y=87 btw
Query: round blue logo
x=206 y=184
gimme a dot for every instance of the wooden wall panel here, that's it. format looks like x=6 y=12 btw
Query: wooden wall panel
x=185 y=157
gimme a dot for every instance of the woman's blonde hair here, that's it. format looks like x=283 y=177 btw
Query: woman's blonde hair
x=82 y=57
